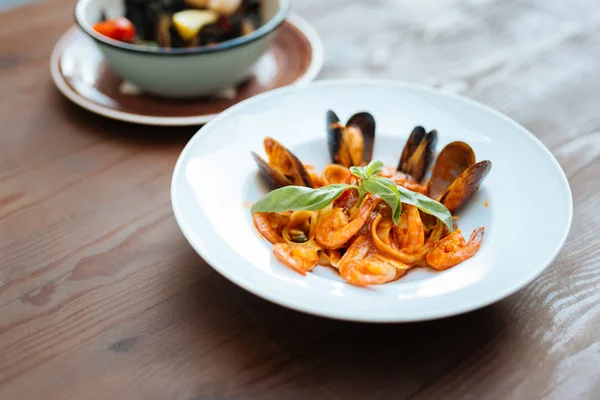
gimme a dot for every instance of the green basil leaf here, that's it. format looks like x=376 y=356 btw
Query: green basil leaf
x=292 y=198
x=359 y=172
x=374 y=168
x=361 y=193
x=427 y=205
x=389 y=193
x=368 y=171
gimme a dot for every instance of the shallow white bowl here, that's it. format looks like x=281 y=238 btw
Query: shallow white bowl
x=181 y=73
x=527 y=216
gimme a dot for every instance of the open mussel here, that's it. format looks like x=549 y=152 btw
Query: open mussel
x=452 y=161
x=463 y=187
x=455 y=175
x=283 y=167
x=351 y=144
x=418 y=152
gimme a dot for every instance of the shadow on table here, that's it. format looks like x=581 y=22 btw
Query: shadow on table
x=350 y=360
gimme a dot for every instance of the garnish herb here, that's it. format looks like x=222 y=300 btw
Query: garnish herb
x=293 y=198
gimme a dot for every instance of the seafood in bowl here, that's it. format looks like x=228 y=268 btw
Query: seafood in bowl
x=369 y=221
x=182 y=23
x=181 y=49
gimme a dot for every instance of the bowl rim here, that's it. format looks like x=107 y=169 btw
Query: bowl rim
x=267 y=28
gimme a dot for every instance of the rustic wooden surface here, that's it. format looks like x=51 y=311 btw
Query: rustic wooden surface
x=101 y=297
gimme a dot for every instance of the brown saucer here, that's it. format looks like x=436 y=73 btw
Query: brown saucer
x=81 y=74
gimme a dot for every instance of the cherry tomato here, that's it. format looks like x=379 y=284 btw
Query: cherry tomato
x=119 y=28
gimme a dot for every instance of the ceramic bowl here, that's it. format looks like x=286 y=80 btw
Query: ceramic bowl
x=184 y=72
x=216 y=181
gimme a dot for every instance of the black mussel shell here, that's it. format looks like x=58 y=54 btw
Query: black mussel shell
x=432 y=138
x=418 y=153
x=334 y=135
x=411 y=145
x=423 y=156
x=142 y=16
x=211 y=33
x=463 y=187
x=274 y=178
x=233 y=26
x=300 y=167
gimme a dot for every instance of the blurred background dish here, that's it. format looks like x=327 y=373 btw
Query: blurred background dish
x=165 y=52
x=180 y=24
x=83 y=75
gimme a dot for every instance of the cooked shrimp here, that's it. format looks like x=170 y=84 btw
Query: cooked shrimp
x=367 y=271
x=410 y=232
x=302 y=257
x=270 y=225
x=388 y=171
x=409 y=183
x=362 y=266
x=453 y=249
x=334 y=229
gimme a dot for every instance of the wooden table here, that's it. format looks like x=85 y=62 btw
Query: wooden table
x=101 y=297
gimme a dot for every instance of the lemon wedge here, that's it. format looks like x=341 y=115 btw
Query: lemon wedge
x=189 y=22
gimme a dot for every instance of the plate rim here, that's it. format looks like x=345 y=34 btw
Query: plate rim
x=309 y=75
x=519 y=284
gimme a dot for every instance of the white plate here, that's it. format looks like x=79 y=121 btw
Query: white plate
x=527 y=218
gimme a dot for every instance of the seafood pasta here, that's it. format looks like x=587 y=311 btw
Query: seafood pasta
x=370 y=222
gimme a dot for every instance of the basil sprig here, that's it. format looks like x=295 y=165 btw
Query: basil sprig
x=293 y=198
x=388 y=192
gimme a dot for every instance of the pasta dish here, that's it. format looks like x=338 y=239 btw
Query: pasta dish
x=369 y=221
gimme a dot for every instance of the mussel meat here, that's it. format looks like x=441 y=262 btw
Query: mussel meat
x=417 y=154
x=351 y=144
x=283 y=167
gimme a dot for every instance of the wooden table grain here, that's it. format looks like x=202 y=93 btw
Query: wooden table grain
x=101 y=297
